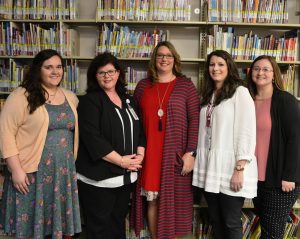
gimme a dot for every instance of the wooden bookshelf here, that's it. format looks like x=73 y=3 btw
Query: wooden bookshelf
x=181 y=34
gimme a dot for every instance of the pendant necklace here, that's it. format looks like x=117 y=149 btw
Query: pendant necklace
x=49 y=101
x=160 y=111
x=209 y=111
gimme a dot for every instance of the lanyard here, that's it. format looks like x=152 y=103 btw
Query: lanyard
x=209 y=111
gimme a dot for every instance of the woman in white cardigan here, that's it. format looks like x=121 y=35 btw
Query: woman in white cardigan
x=225 y=165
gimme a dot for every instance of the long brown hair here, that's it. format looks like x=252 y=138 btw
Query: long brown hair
x=32 y=81
x=231 y=82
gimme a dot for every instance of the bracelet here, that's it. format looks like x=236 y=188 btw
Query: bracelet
x=239 y=168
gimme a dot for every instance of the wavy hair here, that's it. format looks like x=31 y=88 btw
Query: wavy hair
x=102 y=60
x=277 y=81
x=32 y=82
x=152 y=71
x=230 y=84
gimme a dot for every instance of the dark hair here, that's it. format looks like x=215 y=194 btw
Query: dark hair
x=102 y=60
x=32 y=81
x=277 y=81
x=152 y=72
x=230 y=84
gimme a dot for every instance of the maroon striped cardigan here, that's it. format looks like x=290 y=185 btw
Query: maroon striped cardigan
x=176 y=198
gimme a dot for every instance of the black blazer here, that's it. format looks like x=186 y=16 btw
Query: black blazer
x=101 y=132
x=284 y=149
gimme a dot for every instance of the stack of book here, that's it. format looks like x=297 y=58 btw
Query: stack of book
x=249 y=46
x=121 y=41
x=144 y=10
x=39 y=9
x=26 y=39
x=133 y=76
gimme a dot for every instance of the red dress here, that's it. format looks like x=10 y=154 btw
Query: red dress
x=175 y=212
x=149 y=105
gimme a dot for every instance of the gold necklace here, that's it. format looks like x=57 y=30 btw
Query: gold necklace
x=160 y=111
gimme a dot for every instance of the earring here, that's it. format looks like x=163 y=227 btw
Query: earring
x=273 y=81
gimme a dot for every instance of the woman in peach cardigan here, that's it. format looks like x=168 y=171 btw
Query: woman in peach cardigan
x=39 y=140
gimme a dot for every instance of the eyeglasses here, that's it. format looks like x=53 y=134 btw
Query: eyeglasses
x=110 y=73
x=264 y=70
x=160 y=56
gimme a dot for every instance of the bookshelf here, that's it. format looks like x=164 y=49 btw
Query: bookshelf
x=189 y=38
x=83 y=23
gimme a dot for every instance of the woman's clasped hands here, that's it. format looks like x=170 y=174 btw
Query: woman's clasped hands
x=132 y=162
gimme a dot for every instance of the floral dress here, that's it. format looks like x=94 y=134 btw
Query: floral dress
x=51 y=207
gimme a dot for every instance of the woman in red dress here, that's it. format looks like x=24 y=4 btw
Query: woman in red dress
x=169 y=107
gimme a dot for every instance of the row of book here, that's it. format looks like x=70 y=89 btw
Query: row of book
x=271 y=11
x=69 y=42
x=39 y=9
x=251 y=11
x=288 y=77
x=27 y=39
x=249 y=45
x=121 y=41
x=144 y=10
x=133 y=76
x=12 y=73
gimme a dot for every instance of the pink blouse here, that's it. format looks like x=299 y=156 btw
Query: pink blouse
x=263 y=133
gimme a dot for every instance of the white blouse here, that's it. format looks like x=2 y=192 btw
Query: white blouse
x=233 y=138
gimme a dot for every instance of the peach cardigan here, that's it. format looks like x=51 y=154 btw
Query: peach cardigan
x=24 y=134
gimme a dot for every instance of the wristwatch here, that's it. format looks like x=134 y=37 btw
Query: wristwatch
x=193 y=153
x=239 y=168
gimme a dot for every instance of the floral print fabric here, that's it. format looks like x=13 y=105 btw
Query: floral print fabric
x=51 y=207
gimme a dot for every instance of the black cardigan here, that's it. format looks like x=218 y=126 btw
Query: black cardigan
x=100 y=132
x=284 y=149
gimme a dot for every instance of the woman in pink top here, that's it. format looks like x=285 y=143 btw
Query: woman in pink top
x=277 y=147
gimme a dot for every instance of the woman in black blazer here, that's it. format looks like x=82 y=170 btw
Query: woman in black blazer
x=111 y=149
